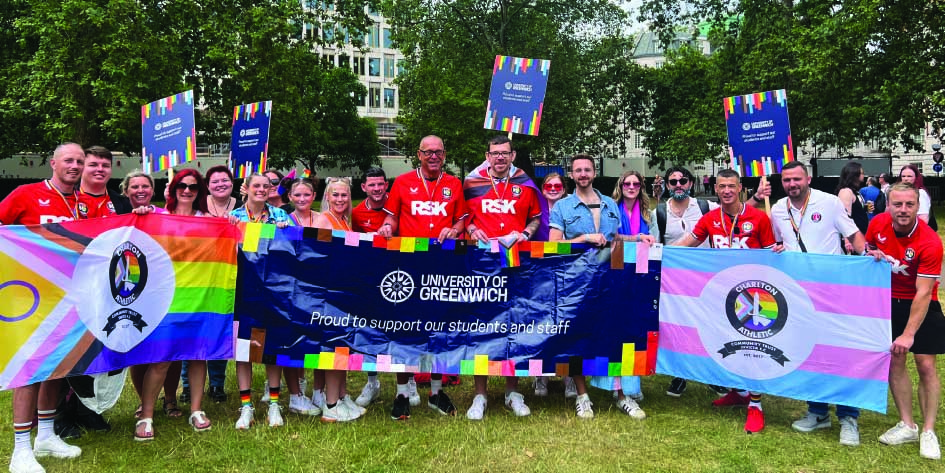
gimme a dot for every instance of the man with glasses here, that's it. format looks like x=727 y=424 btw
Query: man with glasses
x=425 y=203
x=501 y=207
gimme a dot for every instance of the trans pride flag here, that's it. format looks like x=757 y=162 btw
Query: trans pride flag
x=98 y=295
x=798 y=325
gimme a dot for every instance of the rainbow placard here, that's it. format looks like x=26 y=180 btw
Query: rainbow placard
x=759 y=132
x=517 y=96
x=249 y=148
x=168 y=133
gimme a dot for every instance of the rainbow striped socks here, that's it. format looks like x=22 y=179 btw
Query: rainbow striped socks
x=246 y=398
x=273 y=394
x=21 y=436
x=46 y=421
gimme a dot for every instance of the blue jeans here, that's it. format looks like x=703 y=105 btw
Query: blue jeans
x=216 y=371
x=822 y=409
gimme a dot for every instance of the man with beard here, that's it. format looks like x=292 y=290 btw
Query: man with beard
x=52 y=201
x=811 y=221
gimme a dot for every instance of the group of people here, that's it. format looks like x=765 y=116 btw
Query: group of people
x=498 y=200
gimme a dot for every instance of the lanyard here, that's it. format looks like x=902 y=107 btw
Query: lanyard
x=336 y=222
x=74 y=210
x=795 y=225
x=430 y=193
x=731 y=231
x=249 y=213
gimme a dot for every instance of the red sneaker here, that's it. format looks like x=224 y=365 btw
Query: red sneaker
x=756 y=420
x=732 y=399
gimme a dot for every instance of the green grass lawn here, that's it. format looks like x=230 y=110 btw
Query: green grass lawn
x=679 y=435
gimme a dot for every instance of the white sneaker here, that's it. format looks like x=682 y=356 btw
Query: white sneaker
x=246 y=418
x=53 y=446
x=516 y=403
x=541 y=386
x=412 y=395
x=300 y=404
x=849 y=432
x=570 y=390
x=275 y=415
x=928 y=446
x=24 y=461
x=353 y=406
x=900 y=434
x=811 y=422
x=340 y=413
x=630 y=407
x=583 y=404
x=318 y=399
x=368 y=394
x=478 y=408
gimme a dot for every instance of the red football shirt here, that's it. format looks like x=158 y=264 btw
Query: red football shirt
x=750 y=229
x=918 y=254
x=37 y=203
x=365 y=219
x=505 y=208
x=95 y=206
x=424 y=208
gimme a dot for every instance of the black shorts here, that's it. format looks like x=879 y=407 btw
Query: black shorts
x=930 y=338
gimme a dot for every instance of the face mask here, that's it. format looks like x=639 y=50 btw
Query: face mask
x=680 y=195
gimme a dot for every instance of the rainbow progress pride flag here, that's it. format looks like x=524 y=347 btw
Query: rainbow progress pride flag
x=779 y=324
x=98 y=295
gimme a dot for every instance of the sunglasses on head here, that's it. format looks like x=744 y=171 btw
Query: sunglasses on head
x=553 y=187
x=191 y=187
x=631 y=185
x=681 y=181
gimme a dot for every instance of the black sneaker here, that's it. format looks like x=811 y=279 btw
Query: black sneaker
x=67 y=429
x=217 y=394
x=401 y=409
x=184 y=396
x=441 y=403
x=720 y=390
x=676 y=387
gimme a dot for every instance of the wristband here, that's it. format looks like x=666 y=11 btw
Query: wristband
x=527 y=235
x=755 y=198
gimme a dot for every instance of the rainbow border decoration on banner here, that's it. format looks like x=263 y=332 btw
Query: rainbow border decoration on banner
x=245 y=115
x=512 y=75
x=742 y=114
x=634 y=360
x=176 y=152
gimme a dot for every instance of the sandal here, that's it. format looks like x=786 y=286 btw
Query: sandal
x=148 y=430
x=171 y=410
x=199 y=421
x=139 y=411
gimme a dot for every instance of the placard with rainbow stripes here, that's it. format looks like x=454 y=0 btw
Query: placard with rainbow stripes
x=168 y=133
x=249 y=147
x=517 y=95
x=759 y=132
x=344 y=300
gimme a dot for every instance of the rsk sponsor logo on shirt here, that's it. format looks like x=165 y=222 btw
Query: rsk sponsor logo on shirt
x=719 y=241
x=53 y=219
x=498 y=206
x=427 y=208
x=898 y=267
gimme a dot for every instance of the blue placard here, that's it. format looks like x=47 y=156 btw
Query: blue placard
x=168 y=134
x=517 y=97
x=249 y=149
x=759 y=132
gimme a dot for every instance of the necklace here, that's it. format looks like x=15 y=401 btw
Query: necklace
x=338 y=222
x=216 y=210
x=298 y=218
x=74 y=210
x=429 y=192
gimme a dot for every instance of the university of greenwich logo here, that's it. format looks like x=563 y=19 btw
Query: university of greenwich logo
x=397 y=286
x=127 y=283
x=757 y=310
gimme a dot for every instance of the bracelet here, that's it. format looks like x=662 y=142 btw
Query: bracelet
x=527 y=235
x=755 y=198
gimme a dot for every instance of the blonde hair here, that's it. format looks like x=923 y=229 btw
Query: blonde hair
x=131 y=175
x=330 y=183
x=642 y=197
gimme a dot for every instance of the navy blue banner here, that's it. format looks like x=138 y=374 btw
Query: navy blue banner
x=347 y=301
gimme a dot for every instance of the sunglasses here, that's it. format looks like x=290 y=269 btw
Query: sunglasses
x=631 y=185
x=191 y=187
x=275 y=182
x=553 y=187
x=681 y=181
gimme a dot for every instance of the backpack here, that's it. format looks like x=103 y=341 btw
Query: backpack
x=661 y=216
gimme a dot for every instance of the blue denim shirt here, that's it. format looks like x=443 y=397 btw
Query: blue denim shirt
x=574 y=219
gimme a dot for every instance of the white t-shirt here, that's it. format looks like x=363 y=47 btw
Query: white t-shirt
x=925 y=203
x=821 y=226
x=676 y=227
